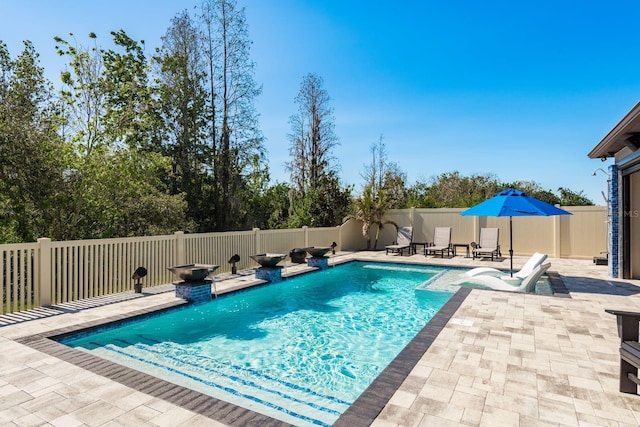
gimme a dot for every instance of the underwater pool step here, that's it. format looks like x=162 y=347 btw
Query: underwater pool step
x=443 y=281
x=227 y=382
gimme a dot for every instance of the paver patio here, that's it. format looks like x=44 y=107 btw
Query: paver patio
x=501 y=360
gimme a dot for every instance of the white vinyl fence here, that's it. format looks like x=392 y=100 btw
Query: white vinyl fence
x=48 y=272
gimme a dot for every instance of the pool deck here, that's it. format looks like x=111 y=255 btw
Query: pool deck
x=498 y=359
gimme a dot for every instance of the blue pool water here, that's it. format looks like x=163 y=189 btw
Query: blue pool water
x=301 y=350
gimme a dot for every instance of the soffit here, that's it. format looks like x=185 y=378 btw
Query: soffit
x=614 y=141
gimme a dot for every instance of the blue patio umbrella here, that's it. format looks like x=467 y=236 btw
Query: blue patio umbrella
x=512 y=202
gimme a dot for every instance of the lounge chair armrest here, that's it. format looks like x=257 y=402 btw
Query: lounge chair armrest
x=628 y=324
x=624 y=313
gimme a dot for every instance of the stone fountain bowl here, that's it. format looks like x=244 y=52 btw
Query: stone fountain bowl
x=268 y=260
x=317 y=251
x=193 y=272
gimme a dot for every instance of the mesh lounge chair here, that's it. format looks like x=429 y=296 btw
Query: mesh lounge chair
x=497 y=284
x=441 y=241
x=535 y=260
x=488 y=244
x=403 y=241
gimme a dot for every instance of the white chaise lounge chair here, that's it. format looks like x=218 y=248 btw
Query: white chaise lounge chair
x=403 y=241
x=488 y=244
x=535 y=260
x=497 y=284
x=441 y=241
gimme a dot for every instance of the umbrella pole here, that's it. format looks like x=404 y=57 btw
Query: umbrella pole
x=511 y=243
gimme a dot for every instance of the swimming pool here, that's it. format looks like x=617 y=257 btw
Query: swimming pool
x=301 y=350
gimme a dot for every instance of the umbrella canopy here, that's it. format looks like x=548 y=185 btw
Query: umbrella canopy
x=512 y=202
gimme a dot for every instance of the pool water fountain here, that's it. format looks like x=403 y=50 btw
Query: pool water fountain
x=318 y=258
x=194 y=285
x=269 y=269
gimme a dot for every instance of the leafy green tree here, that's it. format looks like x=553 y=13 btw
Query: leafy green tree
x=418 y=195
x=270 y=207
x=455 y=191
x=182 y=97
x=112 y=188
x=321 y=207
x=82 y=95
x=572 y=198
x=121 y=200
x=132 y=115
x=31 y=153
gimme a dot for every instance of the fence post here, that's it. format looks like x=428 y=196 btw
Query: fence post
x=45 y=268
x=339 y=242
x=180 y=255
x=476 y=227
x=305 y=230
x=256 y=231
x=556 y=235
x=412 y=216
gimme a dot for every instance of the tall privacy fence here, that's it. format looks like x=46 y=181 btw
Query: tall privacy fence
x=582 y=235
x=49 y=272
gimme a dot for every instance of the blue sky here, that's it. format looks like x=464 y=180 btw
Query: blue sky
x=522 y=90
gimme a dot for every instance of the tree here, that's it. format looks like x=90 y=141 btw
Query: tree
x=270 y=207
x=122 y=199
x=317 y=198
x=31 y=153
x=232 y=120
x=452 y=190
x=182 y=98
x=131 y=115
x=455 y=191
x=369 y=209
x=384 y=174
x=112 y=188
x=82 y=95
x=571 y=198
x=312 y=136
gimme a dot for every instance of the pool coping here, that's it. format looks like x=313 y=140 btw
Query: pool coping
x=362 y=412
x=371 y=402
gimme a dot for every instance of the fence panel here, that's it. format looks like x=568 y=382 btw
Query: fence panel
x=89 y=268
x=218 y=248
x=584 y=234
x=581 y=235
x=19 y=270
x=323 y=236
x=280 y=241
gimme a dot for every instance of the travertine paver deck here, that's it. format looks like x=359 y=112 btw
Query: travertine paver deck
x=500 y=360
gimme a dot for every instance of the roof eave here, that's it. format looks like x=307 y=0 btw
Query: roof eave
x=614 y=140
